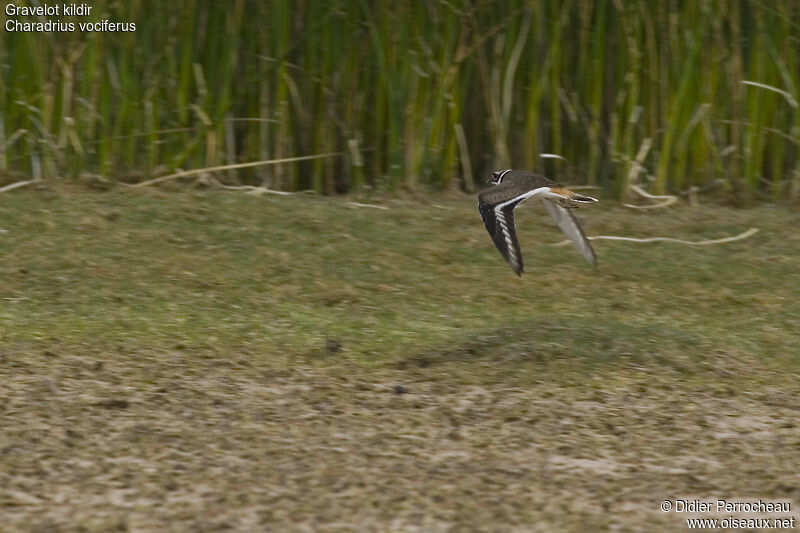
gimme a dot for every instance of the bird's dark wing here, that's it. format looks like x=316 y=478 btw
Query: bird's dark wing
x=566 y=220
x=499 y=221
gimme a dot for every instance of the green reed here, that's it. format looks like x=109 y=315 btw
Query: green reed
x=413 y=94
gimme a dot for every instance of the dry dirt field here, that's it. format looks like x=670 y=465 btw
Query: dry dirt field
x=175 y=441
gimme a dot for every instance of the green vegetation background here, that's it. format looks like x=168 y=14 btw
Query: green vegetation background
x=412 y=92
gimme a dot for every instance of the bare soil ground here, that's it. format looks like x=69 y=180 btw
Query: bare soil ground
x=175 y=441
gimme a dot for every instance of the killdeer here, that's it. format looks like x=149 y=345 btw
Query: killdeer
x=510 y=187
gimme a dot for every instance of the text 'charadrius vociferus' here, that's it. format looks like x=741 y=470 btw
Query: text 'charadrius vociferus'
x=509 y=188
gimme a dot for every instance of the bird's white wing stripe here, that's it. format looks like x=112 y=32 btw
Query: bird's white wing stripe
x=521 y=198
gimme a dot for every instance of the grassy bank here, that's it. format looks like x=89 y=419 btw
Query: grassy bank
x=204 y=269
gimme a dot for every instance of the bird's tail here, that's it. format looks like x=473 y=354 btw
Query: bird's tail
x=581 y=199
x=571 y=198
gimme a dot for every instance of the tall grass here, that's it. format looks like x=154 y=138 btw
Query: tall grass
x=413 y=93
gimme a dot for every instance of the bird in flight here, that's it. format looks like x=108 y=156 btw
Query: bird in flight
x=509 y=189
